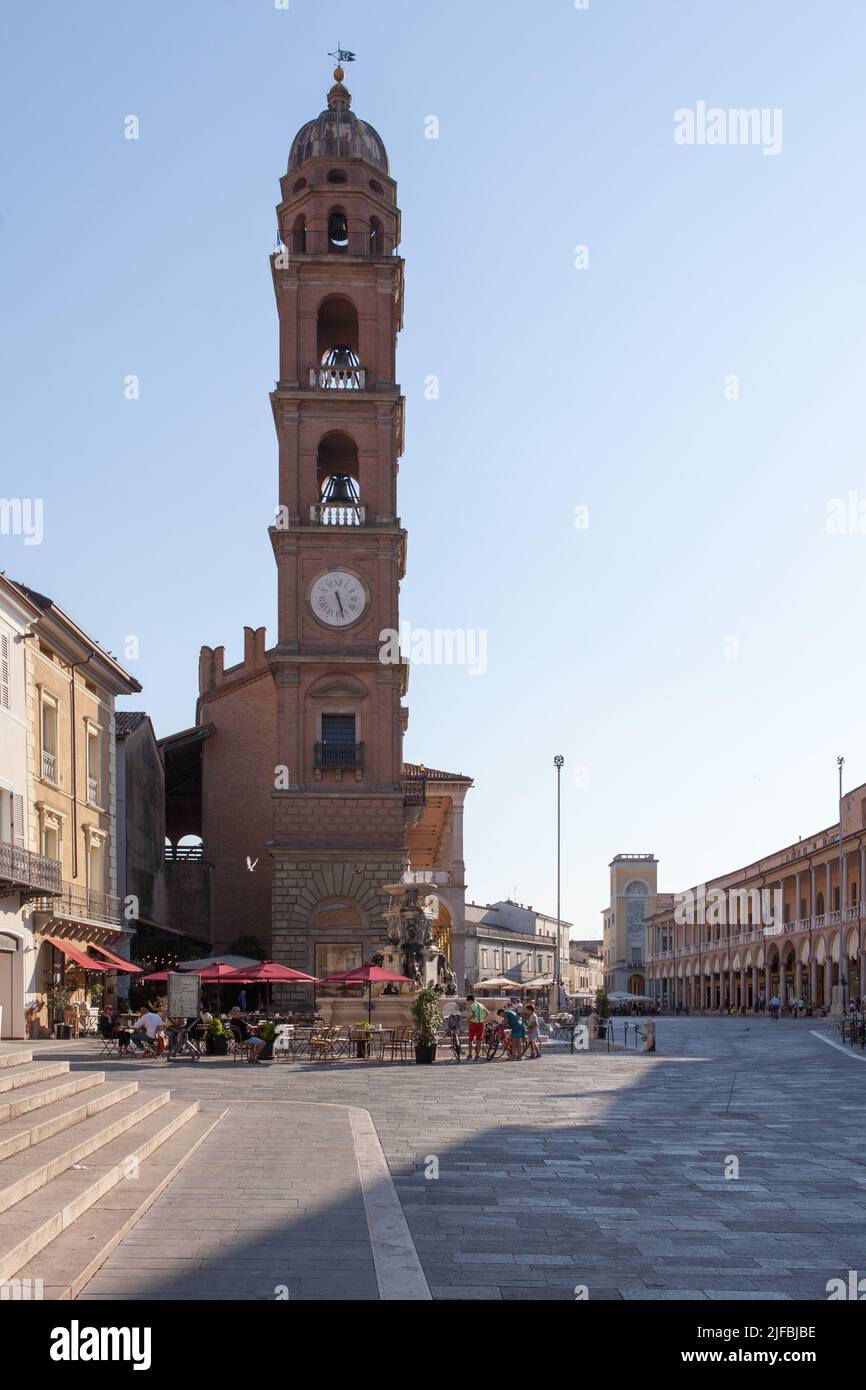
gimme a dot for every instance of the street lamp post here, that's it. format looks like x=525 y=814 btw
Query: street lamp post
x=843 y=945
x=557 y=963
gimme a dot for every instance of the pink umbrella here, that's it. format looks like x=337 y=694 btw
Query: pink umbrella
x=366 y=975
x=268 y=972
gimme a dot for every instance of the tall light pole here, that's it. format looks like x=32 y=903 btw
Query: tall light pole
x=843 y=945
x=557 y=964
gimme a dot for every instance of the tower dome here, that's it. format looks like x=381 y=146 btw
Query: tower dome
x=337 y=133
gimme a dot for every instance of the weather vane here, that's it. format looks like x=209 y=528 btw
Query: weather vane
x=342 y=55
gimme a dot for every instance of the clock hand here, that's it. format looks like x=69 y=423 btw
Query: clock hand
x=340 y=602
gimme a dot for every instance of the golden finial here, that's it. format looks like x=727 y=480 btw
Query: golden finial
x=338 y=73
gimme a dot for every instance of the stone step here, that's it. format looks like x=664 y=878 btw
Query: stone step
x=19 y=1058
x=45 y=1214
x=70 y=1261
x=26 y=1131
x=38 y=1093
x=24 y=1173
x=13 y=1077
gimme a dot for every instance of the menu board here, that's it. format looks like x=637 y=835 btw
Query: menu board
x=184 y=995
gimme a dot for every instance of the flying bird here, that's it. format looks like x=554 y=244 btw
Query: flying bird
x=251 y=864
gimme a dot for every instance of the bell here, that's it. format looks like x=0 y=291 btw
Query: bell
x=341 y=356
x=340 y=491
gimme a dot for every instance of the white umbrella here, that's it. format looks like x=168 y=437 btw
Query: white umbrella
x=497 y=982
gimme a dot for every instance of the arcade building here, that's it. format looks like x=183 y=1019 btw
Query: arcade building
x=289 y=807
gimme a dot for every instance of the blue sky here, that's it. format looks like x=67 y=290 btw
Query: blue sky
x=560 y=387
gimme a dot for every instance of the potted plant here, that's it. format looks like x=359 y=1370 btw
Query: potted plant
x=267 y=1032
x=59 y=997
x=216 y=1043
x=602 y=1008
x=362 y=1034
x=427 y=1017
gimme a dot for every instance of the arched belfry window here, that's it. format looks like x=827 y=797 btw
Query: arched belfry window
x=377 y=239
x=339 y=366
x=299 y=235
x=338 y=231
x=338 y=477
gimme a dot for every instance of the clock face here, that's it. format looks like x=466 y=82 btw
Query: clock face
x=338 y=598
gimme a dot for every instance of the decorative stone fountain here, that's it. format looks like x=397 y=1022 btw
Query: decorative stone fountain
x=410 y=931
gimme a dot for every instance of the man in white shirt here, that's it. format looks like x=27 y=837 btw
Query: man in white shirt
x=148 y=1027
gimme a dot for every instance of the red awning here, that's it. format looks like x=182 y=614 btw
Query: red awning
x=117 y=961
x=76 y=954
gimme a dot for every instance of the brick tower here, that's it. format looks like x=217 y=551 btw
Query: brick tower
x=339 y=821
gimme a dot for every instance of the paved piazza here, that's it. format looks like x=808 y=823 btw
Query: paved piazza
x=602 y=1170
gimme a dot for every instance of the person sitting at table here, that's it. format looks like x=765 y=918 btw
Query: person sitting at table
x=246 y=1035
x=147 y=1027
x=108 y=1028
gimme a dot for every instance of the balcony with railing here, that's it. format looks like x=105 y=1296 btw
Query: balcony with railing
x=24 y=872
x=75 y=903
x=49 y=766
x=92 y=791
x=340 y=755
x=330 y=514
x=338 y=377
x=414 y=788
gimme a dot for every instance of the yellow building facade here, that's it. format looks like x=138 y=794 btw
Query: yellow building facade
x=633 y=890
x=792 y=925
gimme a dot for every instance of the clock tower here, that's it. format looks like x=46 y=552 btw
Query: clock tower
x=339 y=798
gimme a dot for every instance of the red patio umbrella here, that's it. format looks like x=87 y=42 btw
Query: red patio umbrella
x=366 y=975
x=214 y=974
x=268 y=972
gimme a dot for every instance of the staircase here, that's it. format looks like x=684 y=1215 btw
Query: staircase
x=81 y=1160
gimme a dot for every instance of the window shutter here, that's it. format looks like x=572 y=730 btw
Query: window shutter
x=5 y=698
x=19 y=836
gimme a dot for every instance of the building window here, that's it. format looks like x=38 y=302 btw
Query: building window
x=484 y=960
x=94 y=765
x=338 y=747
x=51 y=841
x=94 y=867
x=333 y=958
x=49 y=738
x=538 y=965
x=507 y=960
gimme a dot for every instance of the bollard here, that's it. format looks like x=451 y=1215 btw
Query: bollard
x=592 y=1022
x=649 y=1036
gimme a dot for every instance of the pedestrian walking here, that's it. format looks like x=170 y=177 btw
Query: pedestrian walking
x=775 y=1004
x=477 y=1015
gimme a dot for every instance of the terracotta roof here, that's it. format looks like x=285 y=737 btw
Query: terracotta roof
x=126 y=721
x=434 y=774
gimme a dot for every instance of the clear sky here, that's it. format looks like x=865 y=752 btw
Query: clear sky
x=696 y=650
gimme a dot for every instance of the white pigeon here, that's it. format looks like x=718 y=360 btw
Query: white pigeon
x=251 y=864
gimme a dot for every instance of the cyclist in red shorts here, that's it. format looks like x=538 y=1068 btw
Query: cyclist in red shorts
x=477 y=1015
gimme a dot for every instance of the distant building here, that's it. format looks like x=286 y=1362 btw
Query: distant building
x=585 y=968
x=633 y=889
x=507 y=939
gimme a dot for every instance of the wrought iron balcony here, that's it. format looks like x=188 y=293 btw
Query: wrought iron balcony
x=93 y=791
x=338 y=378
x=49 y=766
x=79 y=904
x=340 y=755
x=414 y=788
x=327 y=514
x=28 y=873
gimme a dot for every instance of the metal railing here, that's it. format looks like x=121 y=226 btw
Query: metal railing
x=49 y=766
x=341 y=755
x=327 y=514
x=22 y=869
x=184 y=853
x=441 y=876
x=338 y=378
x=414 y=789
x=322 y=243
x=78 y=903
x=93 y=791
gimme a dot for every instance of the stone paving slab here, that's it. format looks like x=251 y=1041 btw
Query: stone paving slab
x=614 y=1163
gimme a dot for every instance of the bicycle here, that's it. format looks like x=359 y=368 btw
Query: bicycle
x=456 y=1044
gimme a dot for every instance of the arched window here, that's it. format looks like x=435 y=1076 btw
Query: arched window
x=636 y=895
x=338 y=231
x=337 y=176
x=338 y=477
x=339 y=366
x=299 y=234
x=377 y=239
